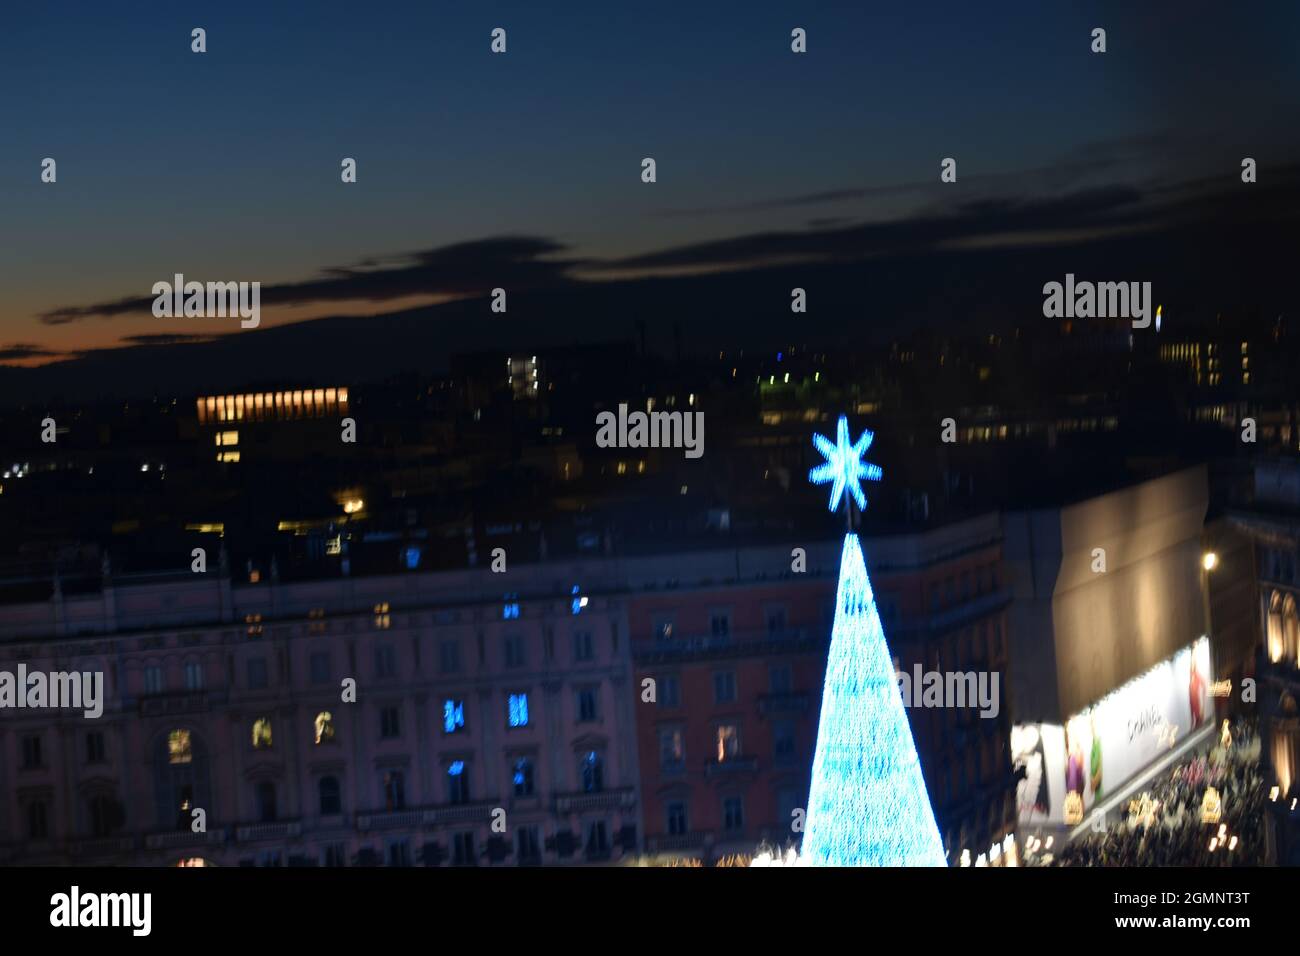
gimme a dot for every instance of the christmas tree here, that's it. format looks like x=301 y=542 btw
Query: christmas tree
x=868 y=804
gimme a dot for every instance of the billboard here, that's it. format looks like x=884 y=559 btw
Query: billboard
x=1104 y=746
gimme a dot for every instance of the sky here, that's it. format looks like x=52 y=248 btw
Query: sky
x=225 y=165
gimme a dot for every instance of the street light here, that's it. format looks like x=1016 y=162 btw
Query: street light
x=1209 y=560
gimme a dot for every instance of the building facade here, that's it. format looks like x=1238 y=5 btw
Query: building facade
x=420 y=719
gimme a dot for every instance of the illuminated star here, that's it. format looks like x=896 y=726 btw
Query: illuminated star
x=844 y=467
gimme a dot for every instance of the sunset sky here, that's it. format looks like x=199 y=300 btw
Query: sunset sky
x=225 y=165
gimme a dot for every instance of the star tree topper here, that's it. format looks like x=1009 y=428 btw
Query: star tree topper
x=844 y=468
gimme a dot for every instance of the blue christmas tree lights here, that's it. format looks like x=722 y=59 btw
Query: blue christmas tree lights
x=867 y=805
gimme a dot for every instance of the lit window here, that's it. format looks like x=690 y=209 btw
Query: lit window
x=457 y=783
x=728 y=742
x=523 y=777
x=179 y=748
x=261 y=733
x=517 y=710
x=593 y=773
x=453 y=716
x=510 y=611
x=324 y=727
x=382 y=619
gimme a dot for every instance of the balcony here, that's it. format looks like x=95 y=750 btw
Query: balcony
x=390 y=820
x=603 y=800
x=794 y=703
x=182 y=702
x=171 y=839
x=733 y=765
x=253 y=832
x=105 y=846
x=736 y=644
x=460 y=813
x=666 y=843
x=965 y=612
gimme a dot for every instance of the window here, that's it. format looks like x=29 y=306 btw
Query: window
x=514 y=650
x=775 y=621
x=728 y=742
x=193 y=675
x=457 y=783
x=676 y=814
x=385 y=661
x=266 y=809
x=453 y=716
x=523 y=777
x=256 y=673
x=529 y=844
x=462 y=849
x=787 y=802
x=104 y=815
x=597 y=840
x=720 y=623
x=95 y=747
x=592 y=773
x=724 y=687
x=320 y=667
x=587 y=704
x=262 y=733
x=32 y=752
x=449 y=657
x=179 y=747
x=38 y=820
x=390 y=723
x=331 y=796
x=517 y=710
x=781 y=680
x=324 y=727
x=393 y=784
x=153 y=679
x=663 y=628
x=510 y=611
x=399 y=852
x=670 y=694
x=334 y=854
x=582 y=646
x=783 y=741
x=383 y=621
x=672 y=748
x=733 y=813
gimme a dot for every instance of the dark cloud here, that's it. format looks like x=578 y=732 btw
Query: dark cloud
x=980 y=218
x=24 y=350
x=465 y=268
x=166 y=338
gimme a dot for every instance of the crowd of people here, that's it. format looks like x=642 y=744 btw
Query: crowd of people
x=1163 y=826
